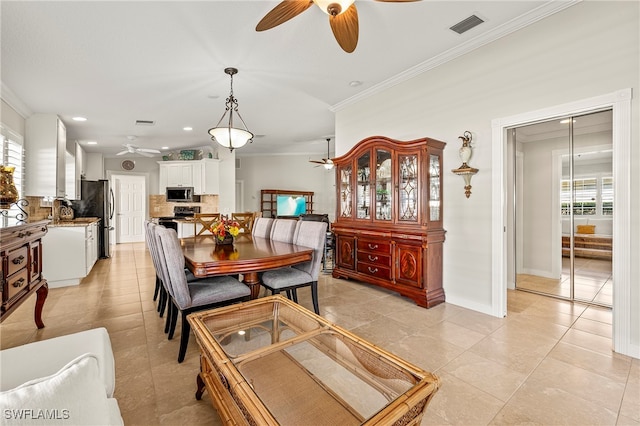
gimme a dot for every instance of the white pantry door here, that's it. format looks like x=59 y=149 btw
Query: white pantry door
x=130 y=194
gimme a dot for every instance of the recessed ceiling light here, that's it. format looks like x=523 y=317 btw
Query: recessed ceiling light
x=79 y=119
x=355 y=83
x=92 y=143
x=165 y=147
x=566 y=121
x=187 y=129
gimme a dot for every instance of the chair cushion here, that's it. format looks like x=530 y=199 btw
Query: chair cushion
x=73 y=395
x=285 y=277
x=216 y=289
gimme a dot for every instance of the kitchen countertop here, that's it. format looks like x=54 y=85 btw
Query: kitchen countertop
x=79 y=221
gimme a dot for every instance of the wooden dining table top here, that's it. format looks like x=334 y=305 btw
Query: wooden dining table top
x=203 y=257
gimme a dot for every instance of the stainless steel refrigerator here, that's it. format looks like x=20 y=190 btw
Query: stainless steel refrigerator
x=97 y=200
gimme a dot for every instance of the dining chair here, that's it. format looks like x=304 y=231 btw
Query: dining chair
x=308 y=234
x=205 y=221
x=262 y=227
x=283 y=230
x=207 y=293
x=245 y=222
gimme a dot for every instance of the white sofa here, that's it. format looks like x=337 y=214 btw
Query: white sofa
x=65 y=380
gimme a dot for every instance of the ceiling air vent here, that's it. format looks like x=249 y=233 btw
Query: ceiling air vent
x=145 y=122
x=466 y=24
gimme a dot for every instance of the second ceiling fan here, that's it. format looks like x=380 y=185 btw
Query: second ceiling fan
x=327 y=163
x=343 y=17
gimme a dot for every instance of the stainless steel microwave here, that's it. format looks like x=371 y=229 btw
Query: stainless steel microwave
x=180 y=194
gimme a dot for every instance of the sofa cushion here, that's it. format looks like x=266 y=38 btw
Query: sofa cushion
x=43 y=358
x=73 y=395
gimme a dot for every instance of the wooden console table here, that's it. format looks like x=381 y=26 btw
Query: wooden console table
x=21 y=251
x=272 y=362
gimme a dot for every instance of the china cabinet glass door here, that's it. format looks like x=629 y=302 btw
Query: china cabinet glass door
x=434 y=187
x=363 y=187
x=408 y=188
x=345 y=191
x=383 y=185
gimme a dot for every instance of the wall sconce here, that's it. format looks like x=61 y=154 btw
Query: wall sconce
x=465 y=170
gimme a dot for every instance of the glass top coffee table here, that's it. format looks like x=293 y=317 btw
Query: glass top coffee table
x=270 y=361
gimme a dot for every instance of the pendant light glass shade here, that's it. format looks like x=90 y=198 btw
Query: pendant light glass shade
x=226 y=133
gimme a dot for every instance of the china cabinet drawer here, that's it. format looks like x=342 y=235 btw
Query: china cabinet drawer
x=374 y=270
x=374 y=258
x=17 y=283
x=18 y=259
x=374 y=246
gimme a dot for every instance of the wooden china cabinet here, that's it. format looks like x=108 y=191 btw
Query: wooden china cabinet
x=388 y=226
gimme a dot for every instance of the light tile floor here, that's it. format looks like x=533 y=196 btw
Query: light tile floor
x=549 y=362
x=593 y=281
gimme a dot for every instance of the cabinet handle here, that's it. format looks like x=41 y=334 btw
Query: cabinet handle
x=18 y=260
x=373 y=246
x=28 y=233
x=20 y=235
x=19 y=283
x=373 y=258
x=372 y=270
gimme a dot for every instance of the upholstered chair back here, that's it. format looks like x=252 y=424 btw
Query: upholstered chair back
x=262 y=227
x=283 y=230
x=313 y=235
x=172 y=261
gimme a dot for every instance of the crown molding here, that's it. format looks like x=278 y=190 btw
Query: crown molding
x=14 y=102
x=516 y=24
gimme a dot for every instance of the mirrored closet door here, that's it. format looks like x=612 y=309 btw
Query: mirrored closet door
x=563 y=207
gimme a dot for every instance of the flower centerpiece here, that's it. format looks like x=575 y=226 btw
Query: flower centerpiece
x=225 y=231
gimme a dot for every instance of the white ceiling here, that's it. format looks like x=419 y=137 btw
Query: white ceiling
x=115 y=62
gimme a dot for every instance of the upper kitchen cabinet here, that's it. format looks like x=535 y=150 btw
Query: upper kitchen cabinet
x=45 y=150
x=72 y=172
x=202 y=175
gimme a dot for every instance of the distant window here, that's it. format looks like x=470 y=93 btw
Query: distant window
x=12 y=154
x=590 y=198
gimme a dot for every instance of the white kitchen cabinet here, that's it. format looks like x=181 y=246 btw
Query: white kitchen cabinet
x=71 y=184
x=175 y=173
x=202 y=175
x=45 y=150
x=185 y=229
x=73 y=250
x=209 y=177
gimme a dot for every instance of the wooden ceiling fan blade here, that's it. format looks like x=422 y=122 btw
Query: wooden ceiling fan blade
x=316 y=162
x=345 y=28
x=149 y=150
x=282 y=13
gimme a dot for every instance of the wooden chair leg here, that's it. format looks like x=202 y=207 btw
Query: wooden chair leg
x=314 y=296
x=184 y=339
x=164 y=301
x=157 y=289
x=167 y=323
x=174 y=320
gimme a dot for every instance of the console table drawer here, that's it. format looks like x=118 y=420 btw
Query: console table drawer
x=17 y=283
x=17 y=260
x=375 y=270
x=374 y=246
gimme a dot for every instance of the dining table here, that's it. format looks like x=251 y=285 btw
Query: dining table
x=248 y=256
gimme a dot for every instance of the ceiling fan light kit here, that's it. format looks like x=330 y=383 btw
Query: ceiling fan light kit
x=225 y=132
x=343 y=18
x=327 y=163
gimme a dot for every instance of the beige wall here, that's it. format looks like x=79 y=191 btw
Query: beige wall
x=587 y=50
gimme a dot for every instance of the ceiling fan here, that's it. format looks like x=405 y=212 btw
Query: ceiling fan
x=343 y=17
x=134 y=149
x=326 y=162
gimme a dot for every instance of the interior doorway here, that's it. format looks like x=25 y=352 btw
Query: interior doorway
x=563 y=207
x=130 y=207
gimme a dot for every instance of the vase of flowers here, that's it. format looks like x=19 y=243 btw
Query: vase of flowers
x=225 y=231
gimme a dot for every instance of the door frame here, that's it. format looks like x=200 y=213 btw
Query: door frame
x=620 y=104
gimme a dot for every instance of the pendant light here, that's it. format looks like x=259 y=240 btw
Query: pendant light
x=225 y=133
